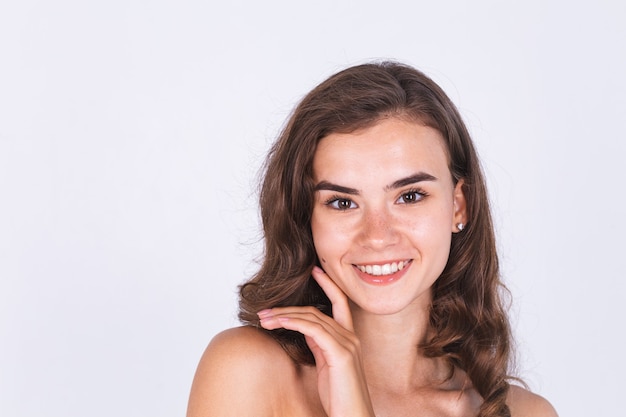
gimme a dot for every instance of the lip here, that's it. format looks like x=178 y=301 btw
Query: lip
x=382 y=279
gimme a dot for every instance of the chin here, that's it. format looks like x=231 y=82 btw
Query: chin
x=384 y=308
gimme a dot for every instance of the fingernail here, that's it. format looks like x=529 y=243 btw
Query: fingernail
x=265 y=313
x=317 y=269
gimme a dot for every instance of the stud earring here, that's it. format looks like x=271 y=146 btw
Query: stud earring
x=460 y=226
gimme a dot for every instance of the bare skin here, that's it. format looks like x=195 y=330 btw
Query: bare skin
x=245 y=360
x=385 y=202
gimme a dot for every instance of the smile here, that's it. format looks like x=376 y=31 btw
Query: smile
x=383 y=269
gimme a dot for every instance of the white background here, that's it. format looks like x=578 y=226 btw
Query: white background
x=131 y=134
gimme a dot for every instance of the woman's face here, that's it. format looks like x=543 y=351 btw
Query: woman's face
x=385 y=208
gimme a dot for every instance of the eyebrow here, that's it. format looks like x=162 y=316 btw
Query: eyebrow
x=329 y=186
x=415 y=178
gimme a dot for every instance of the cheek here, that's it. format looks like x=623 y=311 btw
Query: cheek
x=323 y=241
x=432 y=229
x=330 y=240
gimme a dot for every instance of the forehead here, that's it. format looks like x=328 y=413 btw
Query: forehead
x=391 y=147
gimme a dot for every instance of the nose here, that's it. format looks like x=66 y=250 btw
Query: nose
x=378 y=230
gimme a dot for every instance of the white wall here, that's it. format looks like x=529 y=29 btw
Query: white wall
x=131 y=133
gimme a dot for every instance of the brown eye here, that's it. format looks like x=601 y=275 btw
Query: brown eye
x=411 y=197
x=342 y=204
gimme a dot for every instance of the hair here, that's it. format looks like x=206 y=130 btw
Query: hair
x=468 y=322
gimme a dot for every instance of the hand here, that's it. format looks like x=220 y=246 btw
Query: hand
x=340 y=377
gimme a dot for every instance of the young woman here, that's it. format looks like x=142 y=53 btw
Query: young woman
x=379 y=293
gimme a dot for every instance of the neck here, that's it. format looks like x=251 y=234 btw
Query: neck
x=390 y=348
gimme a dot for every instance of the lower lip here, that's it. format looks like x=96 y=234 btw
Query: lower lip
x=382 y=279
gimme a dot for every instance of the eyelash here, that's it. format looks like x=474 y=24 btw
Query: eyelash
x=419 y=194
x=334 y=200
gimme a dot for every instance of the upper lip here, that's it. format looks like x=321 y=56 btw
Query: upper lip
x=381 y=263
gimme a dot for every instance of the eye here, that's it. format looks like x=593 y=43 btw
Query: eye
x=341 y=203
x=411 y=197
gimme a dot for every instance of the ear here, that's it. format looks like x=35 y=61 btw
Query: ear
x=459 y=216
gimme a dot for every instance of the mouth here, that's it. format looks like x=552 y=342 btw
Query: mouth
x=383 y=269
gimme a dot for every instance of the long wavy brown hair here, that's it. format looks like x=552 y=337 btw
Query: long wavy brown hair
x=469 y=324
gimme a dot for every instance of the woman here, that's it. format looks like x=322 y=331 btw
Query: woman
x=379 y=292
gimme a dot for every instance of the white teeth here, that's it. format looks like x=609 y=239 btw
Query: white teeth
x=384 y=269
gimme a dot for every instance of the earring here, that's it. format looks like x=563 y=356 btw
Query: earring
x=460 y=226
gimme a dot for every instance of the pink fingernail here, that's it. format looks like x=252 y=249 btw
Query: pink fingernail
x=317 y=269
x=264 y=313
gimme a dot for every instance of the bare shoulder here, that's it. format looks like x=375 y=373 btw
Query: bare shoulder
x=244 y=345
x=238 y=375
x=524 y=403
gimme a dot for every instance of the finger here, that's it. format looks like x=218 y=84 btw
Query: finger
x=307 y=320
x=338 y=299
x=316 y=350
x=334 y=344
x=272 y=318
